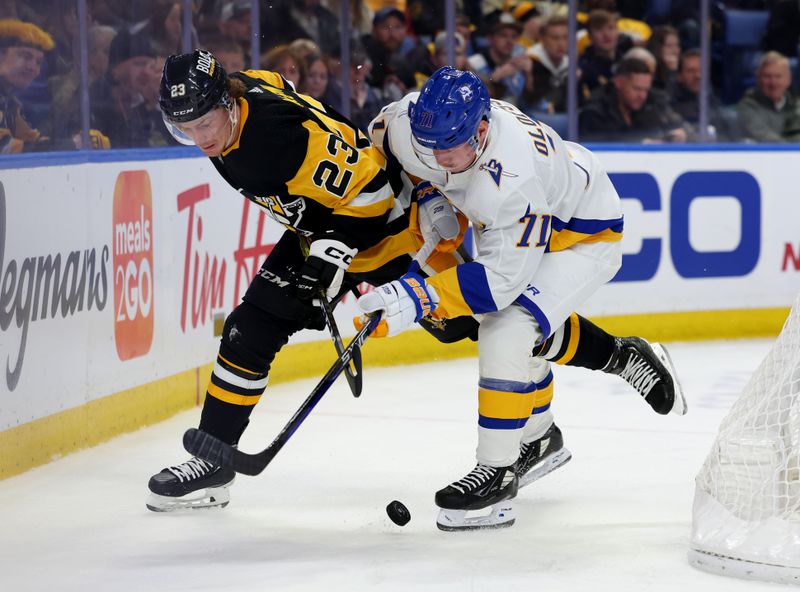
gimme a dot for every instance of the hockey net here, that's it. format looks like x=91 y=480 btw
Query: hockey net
x=746 y=516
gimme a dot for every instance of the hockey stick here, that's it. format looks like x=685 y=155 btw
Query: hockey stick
x=217 y=452
x=353 y=369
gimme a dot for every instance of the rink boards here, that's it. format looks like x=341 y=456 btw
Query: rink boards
x=117 y=270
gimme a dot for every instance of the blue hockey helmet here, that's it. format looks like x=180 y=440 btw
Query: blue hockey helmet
x=451 y=105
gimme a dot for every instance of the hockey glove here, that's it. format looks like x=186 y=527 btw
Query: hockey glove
x=403 y=302
x=324 y=268
x=437 y=220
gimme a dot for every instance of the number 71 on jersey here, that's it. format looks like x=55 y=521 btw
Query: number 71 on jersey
x=529 y=220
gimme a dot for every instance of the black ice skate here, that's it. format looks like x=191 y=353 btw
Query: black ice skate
x=542 y=456
x=483 y=488
x=191 y=485
x=648 y=368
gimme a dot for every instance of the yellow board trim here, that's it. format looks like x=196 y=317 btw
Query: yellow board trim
x=42 y=440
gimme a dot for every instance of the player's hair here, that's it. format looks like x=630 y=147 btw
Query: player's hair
x=236 y=88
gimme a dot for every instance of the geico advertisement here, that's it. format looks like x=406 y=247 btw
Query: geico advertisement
x=121 y=275
x=704 y=231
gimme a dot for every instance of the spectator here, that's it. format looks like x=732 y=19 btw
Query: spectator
x=360 y=15
x=666 y=47
x=234 y=23
x=437 y=57
x=783 y=28
x=629 y=22
x=388 y=49
x=229 y=53
x=606 y=49
x=283 y=21
x=317 y=75
x=164 y=27
x=624 y=111
x=426 y=17
x=65 y=116
x=118 y=99
x=22 y=50
x=550 y=67
x=466 y=29
x=770 y=112
x=284 y=61
x=685 y=99
x=365 y=102
x=529 y=18
x=303 y=48
x=503 y=65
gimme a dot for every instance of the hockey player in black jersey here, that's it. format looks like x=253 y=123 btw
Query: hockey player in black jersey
x=317 y=175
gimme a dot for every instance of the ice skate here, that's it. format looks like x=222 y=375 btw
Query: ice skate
x=648 y=368
x=482 y=499
x=542 y=456
x=192 y=485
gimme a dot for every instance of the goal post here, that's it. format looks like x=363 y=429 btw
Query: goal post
x=746 y=515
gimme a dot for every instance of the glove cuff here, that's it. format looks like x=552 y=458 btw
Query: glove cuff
x=333 y=251
x=424 y=296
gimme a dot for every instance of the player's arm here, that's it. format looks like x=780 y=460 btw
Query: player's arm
x=510 y=251
x=351 y=184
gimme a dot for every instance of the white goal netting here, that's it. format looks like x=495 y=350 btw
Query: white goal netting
x=746 y=517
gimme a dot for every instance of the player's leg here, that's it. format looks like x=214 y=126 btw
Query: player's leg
x=506 y=397
x=646 y=367
x=253 y=334
x=542 y=447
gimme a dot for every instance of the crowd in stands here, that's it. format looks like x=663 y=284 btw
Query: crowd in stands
x=639 y=69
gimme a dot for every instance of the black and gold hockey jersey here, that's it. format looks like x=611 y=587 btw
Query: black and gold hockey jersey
x=315 y=172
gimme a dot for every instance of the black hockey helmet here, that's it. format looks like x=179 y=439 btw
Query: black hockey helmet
x=192 y=84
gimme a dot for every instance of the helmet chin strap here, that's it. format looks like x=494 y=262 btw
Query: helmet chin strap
x=233 y=118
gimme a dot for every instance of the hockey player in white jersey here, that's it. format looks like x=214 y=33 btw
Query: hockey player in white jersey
x=548 y=225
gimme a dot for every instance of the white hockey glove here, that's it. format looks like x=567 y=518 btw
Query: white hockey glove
x=437 y=219
x=324 y=268
x=403 y=302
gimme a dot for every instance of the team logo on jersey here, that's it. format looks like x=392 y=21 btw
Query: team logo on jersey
x=288 y=214
x=495 y=169
x=466 y=93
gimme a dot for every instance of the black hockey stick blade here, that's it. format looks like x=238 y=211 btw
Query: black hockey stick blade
x=353 y=370
x=217 y=452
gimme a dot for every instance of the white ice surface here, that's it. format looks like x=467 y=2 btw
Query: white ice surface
x=616 y=518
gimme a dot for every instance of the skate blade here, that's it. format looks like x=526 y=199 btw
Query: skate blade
x=501 y=515
x=679 y=406
x=212 y=497
x=547 y=465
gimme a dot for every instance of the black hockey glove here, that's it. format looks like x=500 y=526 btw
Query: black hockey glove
x=324 y=268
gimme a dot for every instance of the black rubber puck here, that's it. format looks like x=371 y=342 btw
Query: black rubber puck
x=398 y=513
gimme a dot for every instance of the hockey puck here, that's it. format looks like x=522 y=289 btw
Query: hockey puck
x=398 y=513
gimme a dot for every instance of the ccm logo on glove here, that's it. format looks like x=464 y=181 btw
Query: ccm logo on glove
x=324 y=269
x=335 y=254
